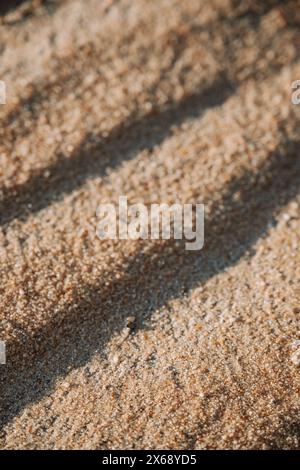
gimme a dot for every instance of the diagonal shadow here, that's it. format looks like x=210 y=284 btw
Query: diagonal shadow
x=244 y=213
x=122 y=144
x=68 y=173
x=178 y=39
x=6 y=6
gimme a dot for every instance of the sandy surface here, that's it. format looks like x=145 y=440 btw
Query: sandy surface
x=142 y=344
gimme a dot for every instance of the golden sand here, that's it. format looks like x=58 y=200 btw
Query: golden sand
x=141 y=344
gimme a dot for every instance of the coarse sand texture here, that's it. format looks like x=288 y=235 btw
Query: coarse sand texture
x=142 y=344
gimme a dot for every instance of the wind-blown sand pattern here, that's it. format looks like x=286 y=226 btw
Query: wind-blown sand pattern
x=119 y=344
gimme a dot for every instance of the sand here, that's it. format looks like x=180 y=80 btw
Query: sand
x=123 y=344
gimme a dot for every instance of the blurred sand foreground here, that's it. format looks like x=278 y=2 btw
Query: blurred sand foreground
x=142 y=344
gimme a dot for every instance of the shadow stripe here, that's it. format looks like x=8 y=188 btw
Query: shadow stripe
x=152 y=278
x=122 y=144
x=65 y=174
